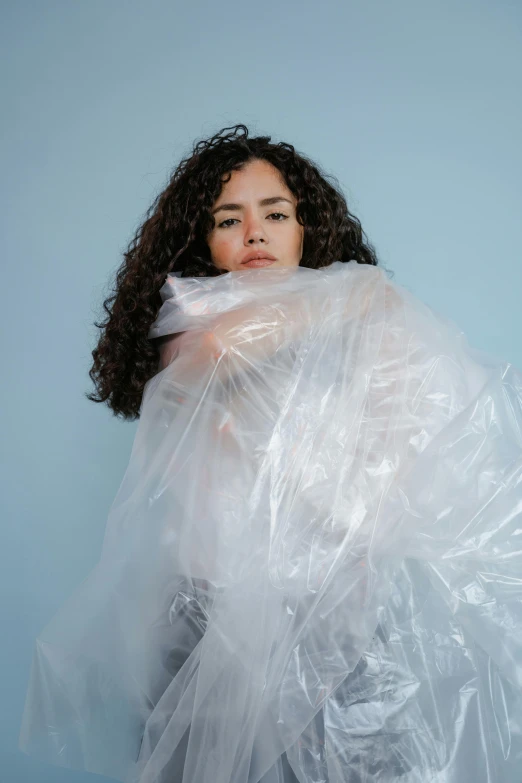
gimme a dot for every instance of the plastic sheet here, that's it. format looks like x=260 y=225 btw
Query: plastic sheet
x=312 y=570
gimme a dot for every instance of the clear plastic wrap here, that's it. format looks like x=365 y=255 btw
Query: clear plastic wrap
x=312 y=569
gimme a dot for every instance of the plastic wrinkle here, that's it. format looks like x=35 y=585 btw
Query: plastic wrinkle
x=312 y=569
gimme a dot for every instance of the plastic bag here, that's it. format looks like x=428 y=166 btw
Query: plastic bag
x=312 y=569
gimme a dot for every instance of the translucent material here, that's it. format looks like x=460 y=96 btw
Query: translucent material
x=312 y=570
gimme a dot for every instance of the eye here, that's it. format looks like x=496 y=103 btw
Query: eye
x=223 y=224
x=228 y=220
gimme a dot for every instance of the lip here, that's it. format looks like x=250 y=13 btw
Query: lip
x=258 y=258
x=258 y=262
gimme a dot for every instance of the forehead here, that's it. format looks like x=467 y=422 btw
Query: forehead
x=254 y=177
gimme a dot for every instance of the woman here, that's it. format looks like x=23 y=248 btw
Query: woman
x=311 y=569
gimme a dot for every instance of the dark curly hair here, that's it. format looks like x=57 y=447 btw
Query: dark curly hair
x=172 y=239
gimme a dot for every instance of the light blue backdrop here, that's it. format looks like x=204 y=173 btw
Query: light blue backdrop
x=415 y=106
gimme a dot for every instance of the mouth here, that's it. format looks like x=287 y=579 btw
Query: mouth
x=258 y=258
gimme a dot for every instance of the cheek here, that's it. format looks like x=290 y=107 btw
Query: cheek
x=221 y=246
x=299 y=238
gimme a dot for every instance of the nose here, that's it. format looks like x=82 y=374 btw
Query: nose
x=254 y=231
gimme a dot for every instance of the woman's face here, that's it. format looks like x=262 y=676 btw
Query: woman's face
x=244 y=225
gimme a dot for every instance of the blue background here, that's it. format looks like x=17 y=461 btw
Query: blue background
x=415 y=106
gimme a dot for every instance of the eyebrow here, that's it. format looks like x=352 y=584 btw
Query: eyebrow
x=263 y=203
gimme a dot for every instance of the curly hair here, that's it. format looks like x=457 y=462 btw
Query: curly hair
x=172 y=239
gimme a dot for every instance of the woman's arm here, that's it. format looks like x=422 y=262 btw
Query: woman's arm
x=238 y=339
x=248 y=335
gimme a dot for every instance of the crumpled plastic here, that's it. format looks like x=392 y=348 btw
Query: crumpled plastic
x=312 y=569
